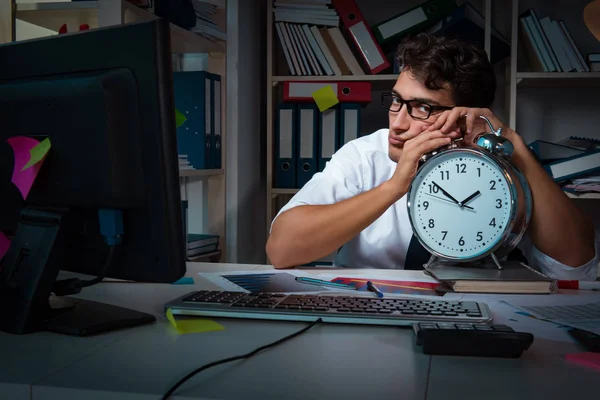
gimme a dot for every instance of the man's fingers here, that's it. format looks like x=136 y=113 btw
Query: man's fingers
x=431 y=145
x=454 y=115
x=471 y=121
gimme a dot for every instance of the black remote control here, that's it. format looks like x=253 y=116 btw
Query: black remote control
x=464 y=339
x=589 y=340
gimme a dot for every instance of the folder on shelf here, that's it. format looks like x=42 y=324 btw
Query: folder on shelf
x=358 y=92
x=192 y=91
x=284 y=172
x=349 y=122
x=308 y=128
x=215 y=148
x=574 y=167
x=547 y=152
x=413 y=20
x=359 y=31
x=328 y=135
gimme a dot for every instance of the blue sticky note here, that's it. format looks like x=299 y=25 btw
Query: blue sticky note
x=184 y=281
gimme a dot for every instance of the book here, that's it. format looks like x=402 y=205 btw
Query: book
x=514 y=277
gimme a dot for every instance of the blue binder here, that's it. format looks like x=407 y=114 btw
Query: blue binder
x=284 y=170
x=192 y=98
x=329 y=141
x=215 y=101
x=308 y=129
x=350 y=119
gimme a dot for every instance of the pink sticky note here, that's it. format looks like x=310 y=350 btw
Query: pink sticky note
x=588 y=359
x=4 y=245
x=22 y=149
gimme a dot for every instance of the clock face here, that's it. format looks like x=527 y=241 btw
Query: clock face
x=460 y=204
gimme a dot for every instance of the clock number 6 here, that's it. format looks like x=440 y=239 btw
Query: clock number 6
x=461 y=242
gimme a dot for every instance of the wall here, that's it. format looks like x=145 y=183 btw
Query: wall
x=245 y=139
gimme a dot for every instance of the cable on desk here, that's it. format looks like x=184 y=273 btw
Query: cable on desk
x=240 y=357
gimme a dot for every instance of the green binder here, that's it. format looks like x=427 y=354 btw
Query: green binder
x=413 y=20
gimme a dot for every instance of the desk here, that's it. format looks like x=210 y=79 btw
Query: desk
x=329 y=361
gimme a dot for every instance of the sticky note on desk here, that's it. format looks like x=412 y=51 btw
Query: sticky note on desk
x=587 y=359
x=325 y=98
x=193 y=325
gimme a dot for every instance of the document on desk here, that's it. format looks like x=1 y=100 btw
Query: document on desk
x=277 y=281
x=581 y=312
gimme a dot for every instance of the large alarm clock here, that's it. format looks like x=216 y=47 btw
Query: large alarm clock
x=470 y=203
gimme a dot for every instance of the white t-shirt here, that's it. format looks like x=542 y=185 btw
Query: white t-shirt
x=363 y=164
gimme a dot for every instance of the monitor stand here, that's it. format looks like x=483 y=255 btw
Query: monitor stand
x=27 y=276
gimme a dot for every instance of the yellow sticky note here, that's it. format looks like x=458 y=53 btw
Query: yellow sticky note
x=179 y=118
x=193 y=325
x=325 y=98
x=38 y=153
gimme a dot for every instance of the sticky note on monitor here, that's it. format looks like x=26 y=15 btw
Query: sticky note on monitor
x=193 y=325
x=325 y=98
x=4 y=245
x=38 y=153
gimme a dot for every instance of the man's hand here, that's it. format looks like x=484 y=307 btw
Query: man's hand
x=412 y=152
x=468 y=120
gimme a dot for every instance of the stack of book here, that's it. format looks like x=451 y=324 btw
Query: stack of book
x=548 y=45
x=205 y=23
x=573 y=162
x=313 y=43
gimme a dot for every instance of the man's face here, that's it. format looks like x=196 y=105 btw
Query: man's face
x=402 y=126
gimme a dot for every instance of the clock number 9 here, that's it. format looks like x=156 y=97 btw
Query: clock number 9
x=426 y=204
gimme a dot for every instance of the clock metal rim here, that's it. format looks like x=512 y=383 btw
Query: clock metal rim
x=502 y=239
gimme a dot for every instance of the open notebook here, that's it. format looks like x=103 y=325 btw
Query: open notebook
x=515 y=277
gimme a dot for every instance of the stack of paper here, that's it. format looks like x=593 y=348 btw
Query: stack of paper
x=205 y=23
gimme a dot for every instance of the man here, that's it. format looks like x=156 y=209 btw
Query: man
x=358 y=203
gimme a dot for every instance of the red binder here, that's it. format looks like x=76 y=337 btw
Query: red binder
x=355 y=92
x=364 y=41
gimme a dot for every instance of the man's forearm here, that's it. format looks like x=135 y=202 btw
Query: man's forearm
x=306 y=233
x=557 y=228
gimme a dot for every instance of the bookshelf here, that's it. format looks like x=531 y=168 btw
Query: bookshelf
x=205 y=190
x=520 y=91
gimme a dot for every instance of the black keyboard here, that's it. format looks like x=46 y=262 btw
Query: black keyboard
x=338 y=308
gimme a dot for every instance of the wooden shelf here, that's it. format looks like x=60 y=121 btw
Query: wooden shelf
x=53 y=15
x=200 y=172
x=558 y=79
x=584 y=196
x=337 y=78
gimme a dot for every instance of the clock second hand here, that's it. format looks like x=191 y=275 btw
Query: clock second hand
x=449 y=201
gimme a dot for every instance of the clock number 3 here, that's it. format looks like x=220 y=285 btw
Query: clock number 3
x=498 y=203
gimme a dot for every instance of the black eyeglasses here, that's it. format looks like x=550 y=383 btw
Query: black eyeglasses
x=416 y=108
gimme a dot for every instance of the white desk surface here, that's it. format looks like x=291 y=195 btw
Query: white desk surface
x=329 y=361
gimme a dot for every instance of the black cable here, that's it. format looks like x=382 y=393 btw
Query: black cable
x=226 y=360
x=74 y=285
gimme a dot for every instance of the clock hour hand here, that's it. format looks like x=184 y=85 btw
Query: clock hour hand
x=468 y=199
x=448 y=195
x=449 y=201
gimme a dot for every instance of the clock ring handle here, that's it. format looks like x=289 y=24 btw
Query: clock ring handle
x=494 y=131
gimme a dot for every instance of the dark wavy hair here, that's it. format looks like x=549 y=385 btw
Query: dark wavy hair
x=446 y=62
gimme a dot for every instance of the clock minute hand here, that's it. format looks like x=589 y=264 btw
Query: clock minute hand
x=471 y=197
x=448 y=195
x=443 y=199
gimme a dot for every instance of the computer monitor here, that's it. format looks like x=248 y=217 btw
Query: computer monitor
x=106 y=201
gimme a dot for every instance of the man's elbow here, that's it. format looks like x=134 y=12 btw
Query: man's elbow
x=276 y=254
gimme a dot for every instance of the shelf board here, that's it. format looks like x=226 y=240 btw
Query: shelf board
x=53 y=15
x=584 y=196
x=200 y=172
x=337 y=78
x=284 y=191
x=558 y=79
